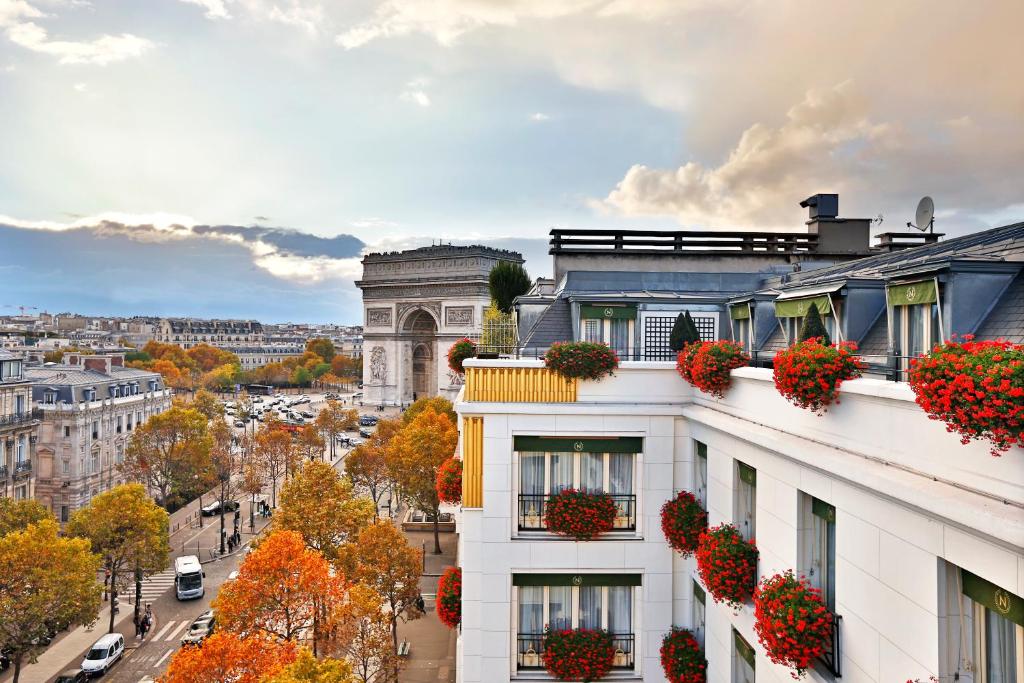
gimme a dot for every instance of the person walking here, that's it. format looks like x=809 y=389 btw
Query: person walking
x=137 y=619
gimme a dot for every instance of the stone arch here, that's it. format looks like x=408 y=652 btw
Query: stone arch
x=420 y=320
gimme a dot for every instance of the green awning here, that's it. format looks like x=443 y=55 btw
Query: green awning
x=610 y=311
x=740 y=312
x=912 y=293
x=747 y=473
x=576 y=579
x=822 y=509
x=1002 y=602
x=797 y=308
x=578 y=444
x=698 y=594
x=743 y=649
x=702 y=449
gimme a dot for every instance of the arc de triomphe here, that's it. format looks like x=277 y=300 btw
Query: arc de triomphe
x=416 y=304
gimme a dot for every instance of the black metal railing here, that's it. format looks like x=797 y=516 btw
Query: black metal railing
x=531 y=511
x=4 y=472
x=15 y=419
x=22 y=468
x=832 y=658
x=530 y=651
x=569 y=241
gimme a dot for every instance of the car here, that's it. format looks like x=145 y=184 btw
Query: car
x=239 y=423
x=214 y=507
x=199 y=630
x=71 y=676
x=104 y=653
x=233 y=575
x=355 y=442
x=306 y=414
x=367 y=420
x=365 y=434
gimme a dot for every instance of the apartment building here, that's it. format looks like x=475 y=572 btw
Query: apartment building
x=188 y=332
x=915 y=540
x=89 y=407
x=252 y=357
x=18 y=427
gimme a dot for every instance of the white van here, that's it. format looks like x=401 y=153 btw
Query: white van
x=188 y=577
x=103 y=654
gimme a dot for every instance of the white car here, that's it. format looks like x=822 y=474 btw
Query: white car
x=103 y=654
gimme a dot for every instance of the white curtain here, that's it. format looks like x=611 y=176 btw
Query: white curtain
x=531 y=609
x=560 y=607
x=531 y=473
x=561 y=471
x=590 y=607
x=620 y=610
x=620 y=473
x=592 y=330
x=1000 y=649
x=592 y=472
x=620 y=337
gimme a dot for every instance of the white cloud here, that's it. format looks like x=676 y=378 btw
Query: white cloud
x=81 y=87
x=539 y=116
x=309 y=18
x=415 y=92
x=215 y=9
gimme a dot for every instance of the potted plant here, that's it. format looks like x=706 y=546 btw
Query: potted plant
x=683 y=520
x=684 y=360
x=682 y=658
x=449 y=597
x=791 y=621
x=460 y=351
x=711 y=364
x=449 y=481
x=808 y=373
x=581 y=360
x=582 y=515
x=727 y=564
x=578 y=654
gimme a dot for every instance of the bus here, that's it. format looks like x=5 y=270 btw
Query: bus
x=259 y=389
x=188 y=577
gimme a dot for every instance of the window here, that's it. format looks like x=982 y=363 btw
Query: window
x=138 y=418
x=612 y=324
x=65 y=513
x=94 y=464
x=746 y=500
x=20 y=452
x=49 y=397
x=700 y=473
x=992 y=635
x=741 y=316
x=545 y=472
x=65 y=467
x=95 y=429
x=742 y=659
x=129 y=422
x=19 y=404
x=699 y=612
x=791 y=327
x=120 y=453
x=819 y=548
x=67 y=432
x=120 y=424
x=657 y=327
x=595 y=601
x=915 y=330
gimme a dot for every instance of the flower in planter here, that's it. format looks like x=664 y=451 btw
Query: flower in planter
x=460 y=351
x=449 y=481
x=578 y=654
x=581 y=360
x=707 y=367
x=976 y=388
x=809 y=373
x=583 y=515
x=682 y=658
x=791 y=621
x=727 y=564
x=449 y=597
x=683 y=520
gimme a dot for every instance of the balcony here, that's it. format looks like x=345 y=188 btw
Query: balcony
x=531 y=512
x=4 y=472
x=832 y=659
x=17 y=419
x=22 y=469
x=530 y=651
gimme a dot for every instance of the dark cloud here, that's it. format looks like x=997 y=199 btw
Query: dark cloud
x=289 y=241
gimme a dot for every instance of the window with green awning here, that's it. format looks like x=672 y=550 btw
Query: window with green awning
x=576 y=579
x=609 y=312
x=740 y=312
x=999 y=600
x=912 y=293
x=577 y=444
x=797 y=308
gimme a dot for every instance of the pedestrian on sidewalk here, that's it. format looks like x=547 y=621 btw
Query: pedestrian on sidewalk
x=137 y=619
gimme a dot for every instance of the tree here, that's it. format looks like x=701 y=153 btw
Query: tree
x=318 y=504
x=172 y=374
x=46 y=583
x=416 y=452
x=283 y=590
x=207 y=404
x=368 y=466
x=253 y=482
x=206 y=358
x=301 y=377
x=684 y=331
x=506 y=281
x=369 y=647
x=334 y=419
x=814 y=327
x=498 y=333
x=127 y=530
x=322 y=347
x=386 y=564
x=230 y=657
x=438 y=404
x=170 y=449
x=224 y=463
x=309 y=444
x=17 y=515
x=275 y=453
x=348 y=369
x=221 y=378
x=309 y=669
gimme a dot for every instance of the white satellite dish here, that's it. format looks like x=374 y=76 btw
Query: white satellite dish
x=925 y=215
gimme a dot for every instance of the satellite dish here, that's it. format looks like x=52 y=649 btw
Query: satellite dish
x=925 y=215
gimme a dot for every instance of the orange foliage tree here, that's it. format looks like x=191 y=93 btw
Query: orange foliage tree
x=230 y=657
x=387 y=564
x=274 y=452
x=367 y=465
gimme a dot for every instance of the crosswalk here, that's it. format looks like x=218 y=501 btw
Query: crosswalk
x=152 y=586
x=169 y=631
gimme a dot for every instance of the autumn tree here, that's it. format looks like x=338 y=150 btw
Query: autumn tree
x=322 y=347
x=318 y=504
x=224 y=464
x=207 y=358
x=221 y=378
x=168 y=451
x=438 y=404
x=207 y=404
x=301 y=377
x=369 y=646
x=309 y=444
x=16 y=515
x=283 y=590
x=348 y=369
x=128 y=530
x=334 y=419
x=415 y=453
x=309 y=669
x=230 y=657
x=275 y=453
x=46 y=583
x=386 y=563
x=253 y=482
x=368 y=465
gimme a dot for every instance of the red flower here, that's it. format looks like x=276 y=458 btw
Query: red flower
x=706 y=365
x=727 y=564
x=682 y=659
x=578 y=654
x=460 y=351
x=683 y=520
x=581 y=360
x=449 y=597
x=809 y=373
x=449 y=481
x=581 y=514
x=791 y=621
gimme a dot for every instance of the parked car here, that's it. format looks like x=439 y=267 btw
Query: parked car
x=214 y=507
x=5 y=661
x=306 y=414
x=368 y=420
x=72 y=676
x=200 y=629
x=365 y=434
x=239 y=423
x=103 y=654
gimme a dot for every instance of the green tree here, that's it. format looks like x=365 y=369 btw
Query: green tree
x=46 y=583
x=127 y=530
x=506 y=281
x=812 y=326
x=301 y=377
x=322 y=347
x=16 y=515
x=684 y=332
x=169 y=452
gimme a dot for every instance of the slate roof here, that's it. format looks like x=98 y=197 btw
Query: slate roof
x=76 y=375
x=554 y=324
x=1006 y=321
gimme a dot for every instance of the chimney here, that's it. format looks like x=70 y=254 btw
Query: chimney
x=836 y=235
x=73 y=358
x=821 y=206
x=116 y=360
x=97 y=363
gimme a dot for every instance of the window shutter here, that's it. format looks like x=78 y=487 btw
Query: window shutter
x=609 y=312
x=822 y=509
x=570 y=444
x=797 y=308
x=747 y=473
x=912 y=293
x=1000 y=601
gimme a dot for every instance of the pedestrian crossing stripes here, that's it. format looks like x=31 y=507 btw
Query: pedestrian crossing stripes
x=153 y=586
x=170 y=630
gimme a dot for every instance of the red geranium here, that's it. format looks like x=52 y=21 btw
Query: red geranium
x=682 y=658
x=727 y=564
x=707 y=365
x=449 y=481
x=809 y=373
x=581 y=514
x=791 y=621
x=449 y=597
x=460 y=351
x=683 y=520
x=581 y=360
x=578 y=654
x=976 y=388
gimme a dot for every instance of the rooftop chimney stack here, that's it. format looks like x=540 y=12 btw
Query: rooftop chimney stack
x=821 y=206
x=836 y=235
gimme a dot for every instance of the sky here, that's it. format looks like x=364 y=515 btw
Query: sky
x=234 y=158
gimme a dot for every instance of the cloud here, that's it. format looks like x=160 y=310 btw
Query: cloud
x=307 y=17
x=81 y=87
x=215 y=9
x=414 y=92
x=539 y=116
x=16 y=16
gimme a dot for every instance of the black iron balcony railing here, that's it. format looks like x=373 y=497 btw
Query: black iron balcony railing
x=832 y=658
x=530 y=651
x=531 y=511
x=15 y=419
x=22 y=469
x=4 y=472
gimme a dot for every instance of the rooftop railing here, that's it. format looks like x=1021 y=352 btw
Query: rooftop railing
x=568 y=241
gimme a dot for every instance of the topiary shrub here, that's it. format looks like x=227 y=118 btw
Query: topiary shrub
x=684 y=332
x=813 y=327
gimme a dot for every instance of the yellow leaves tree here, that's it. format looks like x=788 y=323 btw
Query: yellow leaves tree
x=274 y=452
x=170 y=450
x=438 y=404
x=127 y=530
x=416 y=452
x=46 y=583
x=335 y=419
x=230 y=657
x=16 y=515
x=319 y=505
x=309 y=669
x=283 y=590
x=207 y=404
x=309 y=444
x=207 y=358
x=368 y=465
x=322 y=347
x=386 y=564
x=224 y=464
x=369 y=647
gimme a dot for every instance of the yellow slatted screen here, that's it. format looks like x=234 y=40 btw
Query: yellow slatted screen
x=473 y=462
x=518 y=385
